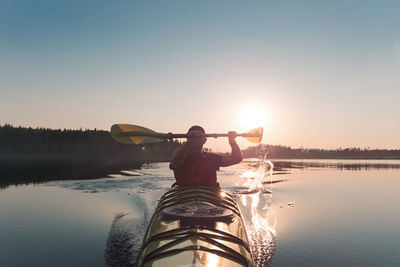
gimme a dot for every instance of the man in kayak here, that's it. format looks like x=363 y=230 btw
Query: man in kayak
x=191 y=166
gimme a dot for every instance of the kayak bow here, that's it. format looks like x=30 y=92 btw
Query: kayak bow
x=196 y=226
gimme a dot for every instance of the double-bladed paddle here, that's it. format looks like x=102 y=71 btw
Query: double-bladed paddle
x=135 y=135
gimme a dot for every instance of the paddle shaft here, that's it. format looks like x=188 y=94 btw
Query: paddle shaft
x=170 y=135
x=134 y=135
x=215 y=135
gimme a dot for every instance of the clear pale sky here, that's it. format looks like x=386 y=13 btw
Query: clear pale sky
x=324 y=74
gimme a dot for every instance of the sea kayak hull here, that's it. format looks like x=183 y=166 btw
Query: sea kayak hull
x=196 y=226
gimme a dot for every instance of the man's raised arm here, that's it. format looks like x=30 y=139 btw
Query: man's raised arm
x=236 y=154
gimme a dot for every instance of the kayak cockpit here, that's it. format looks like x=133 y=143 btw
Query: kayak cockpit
x=196 y=225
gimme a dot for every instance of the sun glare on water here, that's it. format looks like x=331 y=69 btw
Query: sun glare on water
x=251 y=117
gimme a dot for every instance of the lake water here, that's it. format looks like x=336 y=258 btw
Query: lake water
x=301 y=213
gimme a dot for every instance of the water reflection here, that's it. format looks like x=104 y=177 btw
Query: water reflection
x=282 y=166
x=136 y=185
x=36 y=170
x=23 y=170
x=340 y=218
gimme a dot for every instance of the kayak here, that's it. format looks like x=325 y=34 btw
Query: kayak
x=196 y=226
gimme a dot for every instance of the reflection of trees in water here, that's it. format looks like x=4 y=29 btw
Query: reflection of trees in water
x=284 y=165
x=26 y=170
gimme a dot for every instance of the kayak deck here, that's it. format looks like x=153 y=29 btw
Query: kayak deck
x=196 y=226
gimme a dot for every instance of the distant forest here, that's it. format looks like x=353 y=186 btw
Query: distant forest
x=284 y=152
x=38 y=155
x=17 y=141
x=83 y=143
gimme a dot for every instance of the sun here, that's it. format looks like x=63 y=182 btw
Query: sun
x=252 y=116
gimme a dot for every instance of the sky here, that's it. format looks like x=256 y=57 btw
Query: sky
x=314 y=74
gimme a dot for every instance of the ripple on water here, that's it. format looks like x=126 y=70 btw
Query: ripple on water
x=136 y=184
x=124 y=240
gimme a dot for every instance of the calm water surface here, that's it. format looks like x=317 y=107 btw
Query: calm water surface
x=319 y=213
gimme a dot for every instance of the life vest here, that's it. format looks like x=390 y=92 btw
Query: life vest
x=198 y=170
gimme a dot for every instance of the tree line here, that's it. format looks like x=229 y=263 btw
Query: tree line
x=87 y=143
x=286 y=152
x=99 y=143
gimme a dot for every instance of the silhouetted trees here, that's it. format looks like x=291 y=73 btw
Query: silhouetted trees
x=284 y=152
x=99 y=144
x=87 y=143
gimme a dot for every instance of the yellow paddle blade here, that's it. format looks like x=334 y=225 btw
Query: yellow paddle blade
x=256 y=135
x=117 y=131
